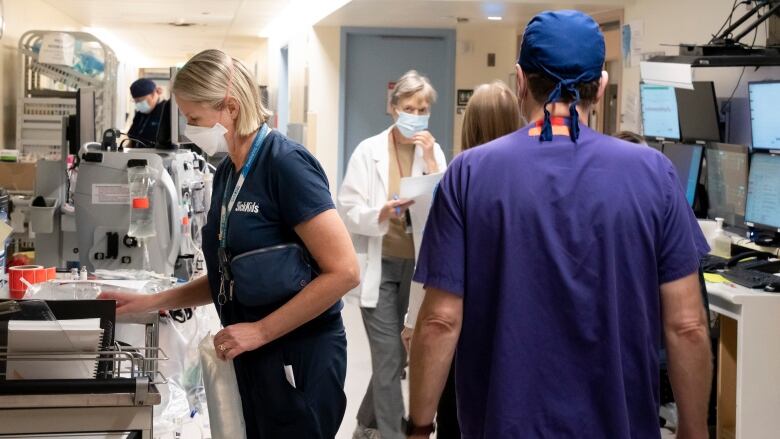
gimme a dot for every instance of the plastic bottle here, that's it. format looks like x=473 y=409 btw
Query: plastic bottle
x=74 y=275
x=722 y=242
x=141 y=179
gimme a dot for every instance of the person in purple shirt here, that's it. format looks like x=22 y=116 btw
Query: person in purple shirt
x=555 y=259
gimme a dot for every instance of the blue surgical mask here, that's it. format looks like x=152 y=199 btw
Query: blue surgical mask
x=411 y=124
x=143 y=107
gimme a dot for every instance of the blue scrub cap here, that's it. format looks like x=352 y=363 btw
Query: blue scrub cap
x=142 y=87
x=568 y=47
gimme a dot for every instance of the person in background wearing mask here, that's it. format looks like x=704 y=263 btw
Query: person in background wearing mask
x=279 y=259
x=151 y=126
x=555 y=259
x=492 y=112
x=381 y=233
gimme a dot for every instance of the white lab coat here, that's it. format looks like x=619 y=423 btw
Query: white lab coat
x=361 y=197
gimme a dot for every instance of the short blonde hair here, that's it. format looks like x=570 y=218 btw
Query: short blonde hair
x=410 y=84
x=212 y=76
x=492 y=112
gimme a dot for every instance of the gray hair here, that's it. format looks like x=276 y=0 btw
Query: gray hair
x=410 y=84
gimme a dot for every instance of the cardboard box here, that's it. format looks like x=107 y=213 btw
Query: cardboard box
x=17 y=177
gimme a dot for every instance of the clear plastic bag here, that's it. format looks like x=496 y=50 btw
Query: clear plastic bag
x=226 y=415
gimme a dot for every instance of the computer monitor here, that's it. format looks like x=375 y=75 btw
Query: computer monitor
x=763 y=199
x=81 y=125
x=658 y=146
x=727 y=181
x=178 y=121
x=178 y=124
x=687 y=160
x=659 y=112
x=698 y=112
x=765 y=114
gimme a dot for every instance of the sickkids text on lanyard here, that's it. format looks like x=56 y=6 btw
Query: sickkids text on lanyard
x=227 y=208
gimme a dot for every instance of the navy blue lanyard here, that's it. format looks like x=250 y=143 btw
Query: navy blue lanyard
x=227 y=205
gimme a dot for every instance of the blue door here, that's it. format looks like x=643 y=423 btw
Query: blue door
x=375 y=57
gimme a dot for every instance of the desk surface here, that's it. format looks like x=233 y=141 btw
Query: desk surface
x=728 y=298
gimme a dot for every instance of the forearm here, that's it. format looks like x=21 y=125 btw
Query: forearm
x=316 y=298
x=433 y=349
x=690 y=373
x=195 y=293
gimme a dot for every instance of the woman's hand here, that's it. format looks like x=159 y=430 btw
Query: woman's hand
x=427 y=142
x=394 y=209
x=130 y=303
x=237 y=339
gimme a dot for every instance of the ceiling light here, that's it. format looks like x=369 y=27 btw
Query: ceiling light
x=495 y=18
x=298 y=16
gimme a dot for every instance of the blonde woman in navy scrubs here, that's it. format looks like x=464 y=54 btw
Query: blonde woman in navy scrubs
x=279 y=258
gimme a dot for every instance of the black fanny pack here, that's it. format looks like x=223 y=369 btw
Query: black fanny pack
x=271 y=274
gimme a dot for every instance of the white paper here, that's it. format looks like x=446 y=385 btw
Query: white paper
x=631 y=112
x=57 y=48
x=671 y=74
x=637 y=37
x=40 y=337
x=419 y=189
x=290 y=375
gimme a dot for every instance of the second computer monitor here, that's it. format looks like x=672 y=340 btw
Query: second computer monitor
x=659 y=112
x=763 y=199
x=764 y=114
x=698 y=111
x=687 y=162
x=727 y=181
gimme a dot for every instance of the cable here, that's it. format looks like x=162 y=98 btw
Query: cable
x=727 y=105
x=133 y=139
x=727 y=22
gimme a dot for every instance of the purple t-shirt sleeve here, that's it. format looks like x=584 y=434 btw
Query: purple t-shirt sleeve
x=682 y=242
x=442 y=260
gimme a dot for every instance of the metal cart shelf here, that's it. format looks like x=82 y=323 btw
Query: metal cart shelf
x=120 y=399
x=42 y=103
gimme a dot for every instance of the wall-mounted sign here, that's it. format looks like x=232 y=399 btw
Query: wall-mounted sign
x=464 y=96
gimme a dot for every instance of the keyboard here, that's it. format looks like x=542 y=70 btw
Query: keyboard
x=712 y=263
x=750 y=278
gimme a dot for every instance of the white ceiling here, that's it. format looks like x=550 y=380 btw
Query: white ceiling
x=232 y=25
x=443 y=13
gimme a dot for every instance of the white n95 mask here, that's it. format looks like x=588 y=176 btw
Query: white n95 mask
x=411 y=124
x=143 y=107
x=210 y=140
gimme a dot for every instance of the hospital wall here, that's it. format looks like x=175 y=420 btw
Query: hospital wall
x=314 y=94
x=671 y=22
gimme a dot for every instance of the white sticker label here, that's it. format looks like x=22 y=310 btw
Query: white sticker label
x=110 y=194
